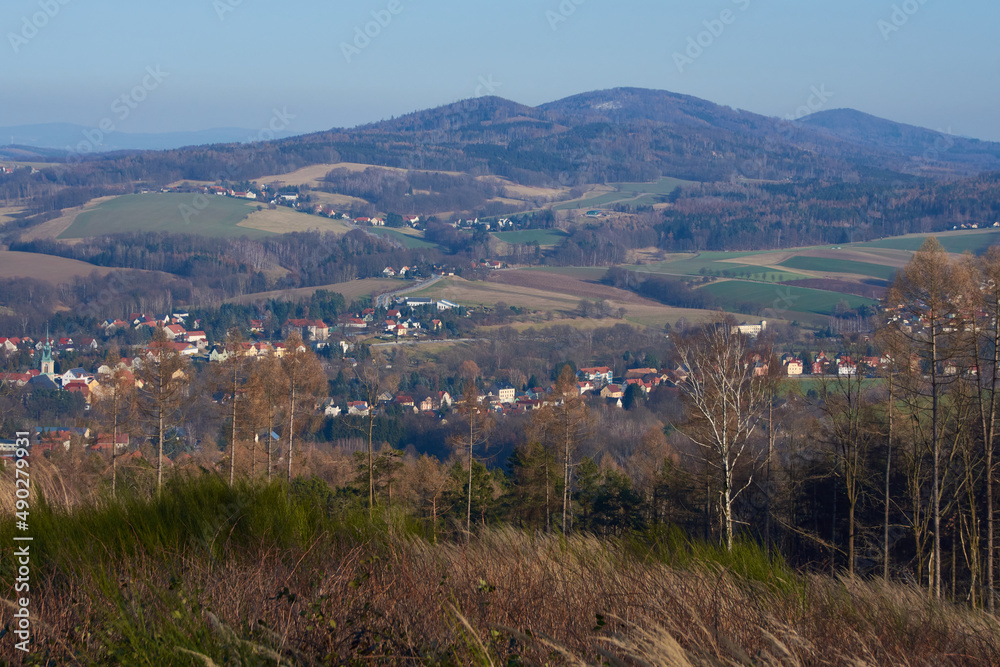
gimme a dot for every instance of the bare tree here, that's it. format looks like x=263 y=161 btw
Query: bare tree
x=480 y=422
x=305 y=381
x=848 y=413
x=726 y=395
x=115 y=408
x=985 y=348
x=233 y=380
x=563 y=424
x=374 y=377
x=164 y=376
x=266 y=391
x=932 y=301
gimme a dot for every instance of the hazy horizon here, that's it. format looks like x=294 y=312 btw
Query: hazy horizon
x=228 y=63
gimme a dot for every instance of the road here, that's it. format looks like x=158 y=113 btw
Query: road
x=385 y=300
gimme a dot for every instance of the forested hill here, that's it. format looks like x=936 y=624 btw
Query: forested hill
x=623 y=134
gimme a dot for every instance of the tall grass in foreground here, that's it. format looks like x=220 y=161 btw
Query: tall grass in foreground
x=254 y=575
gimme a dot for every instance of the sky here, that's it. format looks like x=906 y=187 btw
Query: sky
x=316 y=64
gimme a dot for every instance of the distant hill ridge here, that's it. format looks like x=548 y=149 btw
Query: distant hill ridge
x=620 y=134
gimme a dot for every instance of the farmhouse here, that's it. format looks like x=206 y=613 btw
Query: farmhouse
x=600 y=374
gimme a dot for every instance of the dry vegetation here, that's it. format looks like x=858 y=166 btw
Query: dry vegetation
x=283 y=220
x=351 y=290
x=215 y=575
x=49 y=268
x=53 y=228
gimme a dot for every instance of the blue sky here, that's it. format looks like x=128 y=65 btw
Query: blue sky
x=233 y=62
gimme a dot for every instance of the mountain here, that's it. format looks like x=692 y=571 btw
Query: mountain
x=68 y=137
x=616 y=135
x=917 y=142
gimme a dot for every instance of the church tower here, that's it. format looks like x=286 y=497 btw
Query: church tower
x=48 y=366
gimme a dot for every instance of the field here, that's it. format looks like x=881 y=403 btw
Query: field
x=351 y=290
x=164 y=213
x=731 y=293
x=638 y=194
x=408 y=237
x=831 y=265
x=974 y=241
x=543 y=237
x=53 y=228
x=546 y=292
x=51 y=269
x=284 y=220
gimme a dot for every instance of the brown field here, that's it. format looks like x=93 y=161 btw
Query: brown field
x=312 y=174
x=351 y=290
x=51 y=269
x=53 y=228
x=283 y=220
x=7 y=213
x=191 y=183
x=336 y=201
x=546 y=294
x=564 y=284
x=525 y=192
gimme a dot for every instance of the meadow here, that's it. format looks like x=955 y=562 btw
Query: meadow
x=731 y=294
x=831 y=265
x=639 y=194
x=974 y=241
x=160 y=212
x=546 y=238
x=409 y=238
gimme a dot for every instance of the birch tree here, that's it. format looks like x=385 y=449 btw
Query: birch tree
x=726 y=397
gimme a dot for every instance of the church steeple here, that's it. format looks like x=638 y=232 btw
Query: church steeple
x=48 y=366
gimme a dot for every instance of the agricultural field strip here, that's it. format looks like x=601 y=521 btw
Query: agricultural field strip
x=829 y=265
x=158 y=212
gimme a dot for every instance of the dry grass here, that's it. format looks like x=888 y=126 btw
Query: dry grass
x=352 y=289
x=51 y=269
x=313 y=174
x=53 y=228
x=283 y=220
x=378 y=594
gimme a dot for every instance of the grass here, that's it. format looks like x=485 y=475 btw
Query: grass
x=49 y=268
x=543 y=237
x=159 y=212
x=254 y=574
x=831 y=265
x=641 y=194
x=408 y=240
x=975 y=241
x=731 y=294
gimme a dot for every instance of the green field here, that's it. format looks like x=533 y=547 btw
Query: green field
x=831 y=265
x=639 y=194
x=543 y=237
x=158 y=212
x=731 y=294
x=664 y=186
x=408 y=240
x=709 y=263
x=972 y=241
x=595 y=202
